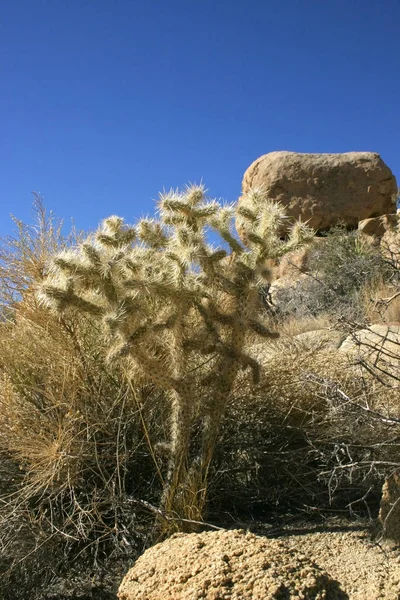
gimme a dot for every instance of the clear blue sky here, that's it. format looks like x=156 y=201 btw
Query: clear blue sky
x=105 y=102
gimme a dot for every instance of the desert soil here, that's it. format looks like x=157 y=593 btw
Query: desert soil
x=366 y=570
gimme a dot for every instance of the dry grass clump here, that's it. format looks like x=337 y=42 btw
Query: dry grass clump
x=291 y=326
x=71 y=430
x=57 y=398
x=74 y=429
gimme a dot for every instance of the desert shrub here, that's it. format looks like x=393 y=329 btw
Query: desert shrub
x=383 y=295
x=378 y=352
x=316 y=437
x=339 y=267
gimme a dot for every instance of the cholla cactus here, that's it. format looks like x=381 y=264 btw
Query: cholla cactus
x=170 y=304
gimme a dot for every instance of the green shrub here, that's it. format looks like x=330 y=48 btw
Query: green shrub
x=339 y=267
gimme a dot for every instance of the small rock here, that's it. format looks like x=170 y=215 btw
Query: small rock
x=389 y=513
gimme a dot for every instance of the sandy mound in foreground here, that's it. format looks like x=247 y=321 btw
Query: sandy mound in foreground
x=226 y=565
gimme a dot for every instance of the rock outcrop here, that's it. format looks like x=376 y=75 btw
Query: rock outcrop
x=379 y=342
x=378 y=226
x=326 y=188
x=383 y=231
x=229 y=565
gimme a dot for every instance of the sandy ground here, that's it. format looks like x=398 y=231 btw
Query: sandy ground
x=366 y=570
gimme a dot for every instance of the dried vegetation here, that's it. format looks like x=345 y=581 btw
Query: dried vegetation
x=98 y=456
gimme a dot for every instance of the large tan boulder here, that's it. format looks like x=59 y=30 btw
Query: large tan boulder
x=325 y=188
x=389 y=513
x=229 y=565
